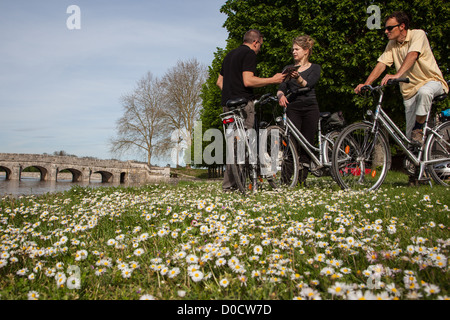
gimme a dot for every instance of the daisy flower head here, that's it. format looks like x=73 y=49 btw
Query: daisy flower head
x=191 y=258
x=60 y=280
x=258 y=250
x=147 y=297
x=224 y=282
x=197 y=276
x=33 y=295
x=431 y=289
x=126 y=273
x=81 y=255
x=138 y=252
x=173 y=272
x=73 y=282
x=338 y=289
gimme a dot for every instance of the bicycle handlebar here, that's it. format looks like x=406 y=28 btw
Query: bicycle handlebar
x=390 y=82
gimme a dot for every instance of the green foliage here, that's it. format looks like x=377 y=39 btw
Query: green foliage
x=345 y=47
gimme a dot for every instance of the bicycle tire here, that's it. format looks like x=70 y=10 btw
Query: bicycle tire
x=358 y=163
x=240 y=167
x=287 y=161
x=439 y=148
x=327 y=150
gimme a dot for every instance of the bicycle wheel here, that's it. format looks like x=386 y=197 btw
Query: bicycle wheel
x=440 y=148
x=240 y=166
x=327 y=149
x=359 y=162
x=285 y=157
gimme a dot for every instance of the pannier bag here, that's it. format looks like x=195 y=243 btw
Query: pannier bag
x=335 y=120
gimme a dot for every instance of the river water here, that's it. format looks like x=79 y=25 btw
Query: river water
x=34 y=186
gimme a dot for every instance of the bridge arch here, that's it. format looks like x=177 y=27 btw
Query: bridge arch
x=106 y=176
x=7 y=171
x=77 y=175
x=42 y=170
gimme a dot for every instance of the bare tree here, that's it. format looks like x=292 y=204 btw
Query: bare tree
x=143 y=126
x=183 y=84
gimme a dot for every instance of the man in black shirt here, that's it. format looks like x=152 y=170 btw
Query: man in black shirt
x=237 y=80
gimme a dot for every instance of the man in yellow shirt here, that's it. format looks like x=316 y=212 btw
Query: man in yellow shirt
x=410 y=52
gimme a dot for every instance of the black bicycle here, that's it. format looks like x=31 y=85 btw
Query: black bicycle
x=247 y=151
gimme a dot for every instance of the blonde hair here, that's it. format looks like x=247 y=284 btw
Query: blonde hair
x=305 y=42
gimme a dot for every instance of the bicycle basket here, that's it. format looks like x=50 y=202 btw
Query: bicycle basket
x=335 y=120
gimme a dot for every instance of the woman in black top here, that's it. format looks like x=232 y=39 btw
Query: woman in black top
x=302 y=109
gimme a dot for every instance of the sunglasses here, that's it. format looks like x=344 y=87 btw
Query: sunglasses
x=390 y=28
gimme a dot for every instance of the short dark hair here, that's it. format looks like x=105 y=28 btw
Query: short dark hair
x=252 y=35
x=401 y=17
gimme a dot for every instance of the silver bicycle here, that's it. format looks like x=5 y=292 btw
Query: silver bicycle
x=362 y=157
x=290 y=140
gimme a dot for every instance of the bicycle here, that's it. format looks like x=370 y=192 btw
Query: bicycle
x=291 y=139
x=249 y=162
x=361 y=157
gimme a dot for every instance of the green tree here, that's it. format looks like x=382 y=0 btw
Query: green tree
x=345 y=47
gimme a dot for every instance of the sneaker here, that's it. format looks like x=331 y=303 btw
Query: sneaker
x=417 y=136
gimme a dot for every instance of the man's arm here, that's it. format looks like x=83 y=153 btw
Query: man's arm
x=250 y=80
x=219 y=82
x=374 y=75
x=407 y=64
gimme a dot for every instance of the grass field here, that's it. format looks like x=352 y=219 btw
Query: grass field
x=193 y=242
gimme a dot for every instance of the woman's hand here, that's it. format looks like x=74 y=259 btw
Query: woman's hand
x=283 y=101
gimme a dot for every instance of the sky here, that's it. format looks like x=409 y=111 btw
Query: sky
x=63 y=69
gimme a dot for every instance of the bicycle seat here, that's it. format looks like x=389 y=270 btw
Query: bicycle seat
x=236 y=103
x=325 y=115
x=440 y=97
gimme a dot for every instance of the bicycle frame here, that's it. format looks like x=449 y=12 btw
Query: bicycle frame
x=311 y=150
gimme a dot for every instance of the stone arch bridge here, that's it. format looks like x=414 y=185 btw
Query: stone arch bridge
x=81 y=168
